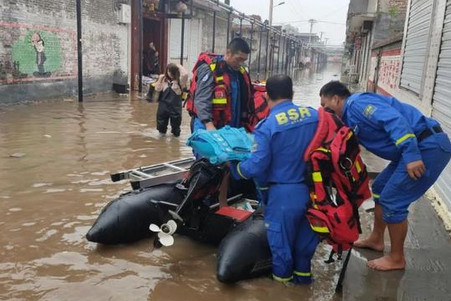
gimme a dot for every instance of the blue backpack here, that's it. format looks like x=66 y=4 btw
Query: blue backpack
x=221 y=145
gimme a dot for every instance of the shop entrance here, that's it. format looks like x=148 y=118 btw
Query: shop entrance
x=147 y=58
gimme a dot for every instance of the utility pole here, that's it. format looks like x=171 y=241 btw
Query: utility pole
x=271 y=6
x=311 y=21
x=269 y=54
x=79 y=53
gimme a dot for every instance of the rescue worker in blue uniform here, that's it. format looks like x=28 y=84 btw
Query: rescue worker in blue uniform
x=277 y=158
x=417 y=147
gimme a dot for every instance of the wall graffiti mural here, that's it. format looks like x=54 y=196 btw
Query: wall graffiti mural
x=33 y=53
x=29 y=54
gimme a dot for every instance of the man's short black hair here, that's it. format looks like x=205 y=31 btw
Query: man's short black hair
x=279 y=86
x=334 y=88
x=238 y=44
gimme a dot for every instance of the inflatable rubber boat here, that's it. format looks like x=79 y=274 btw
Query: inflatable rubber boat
x=190 y=201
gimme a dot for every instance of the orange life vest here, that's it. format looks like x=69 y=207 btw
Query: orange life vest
x=261 y=107
x=221 y=101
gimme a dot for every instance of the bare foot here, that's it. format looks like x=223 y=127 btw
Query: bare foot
x=369 y=244
x=387 y=263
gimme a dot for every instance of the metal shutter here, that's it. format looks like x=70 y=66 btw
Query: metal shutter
x=175 y=36
x=191 y=46
x=194 y=43
x=441 y=106
x=417 y=45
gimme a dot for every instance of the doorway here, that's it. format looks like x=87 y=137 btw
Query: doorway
x=154 y=29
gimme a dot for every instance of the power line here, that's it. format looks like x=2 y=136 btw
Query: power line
x=307 y=21
x=334 y=11
x=295 y=9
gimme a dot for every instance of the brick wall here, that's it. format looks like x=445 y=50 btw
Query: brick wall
x=38 y=49
x=401 y=5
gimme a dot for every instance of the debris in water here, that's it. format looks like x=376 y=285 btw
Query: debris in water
x=17 y=155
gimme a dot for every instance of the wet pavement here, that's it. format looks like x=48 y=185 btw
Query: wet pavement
x=55 y=161
x=428 y=271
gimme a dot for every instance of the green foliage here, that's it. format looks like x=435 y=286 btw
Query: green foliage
x=24 y=53
x=393 y=12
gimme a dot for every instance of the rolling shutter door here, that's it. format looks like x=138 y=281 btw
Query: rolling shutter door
x=441 y=106
x=417 y=44
x=191 y=47
x=194 y=43
x=175 y=35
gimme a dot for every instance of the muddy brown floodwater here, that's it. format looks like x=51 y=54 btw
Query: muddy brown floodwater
x=55 y=162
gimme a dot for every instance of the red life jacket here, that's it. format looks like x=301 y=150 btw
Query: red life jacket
x=261 y=107
x=221 y=101
x=339 y=182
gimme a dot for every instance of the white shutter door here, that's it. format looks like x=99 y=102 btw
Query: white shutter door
x=417 y=44
x=441 y=106
x=175 y=37
x=194 y=43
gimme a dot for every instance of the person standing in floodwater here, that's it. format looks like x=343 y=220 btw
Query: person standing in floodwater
x=170 y=85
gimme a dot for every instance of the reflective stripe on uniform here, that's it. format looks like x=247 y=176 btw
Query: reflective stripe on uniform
x=219 y=101
x=280 y=279
x=317 y=176
x=319 y=229
x=303 y=274
x=403 y=138
x=219 y=78
x=323 y=149
x=212 y=67
x=358 y=167
x=239 y=171
x=376 y=196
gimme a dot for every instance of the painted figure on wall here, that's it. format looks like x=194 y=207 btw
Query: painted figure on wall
x=37 y=53
x=38 y=44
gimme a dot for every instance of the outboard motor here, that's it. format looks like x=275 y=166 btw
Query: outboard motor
x=202 y=185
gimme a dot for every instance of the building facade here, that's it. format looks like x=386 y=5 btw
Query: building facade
x=39 y=45
x=38 y=48
x=413 y=65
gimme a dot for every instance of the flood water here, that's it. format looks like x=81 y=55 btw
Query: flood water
x=55 y=162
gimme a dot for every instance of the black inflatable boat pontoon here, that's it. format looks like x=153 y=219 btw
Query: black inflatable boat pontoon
x=243 y=252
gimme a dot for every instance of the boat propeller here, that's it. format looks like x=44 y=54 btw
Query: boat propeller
x=165 y=232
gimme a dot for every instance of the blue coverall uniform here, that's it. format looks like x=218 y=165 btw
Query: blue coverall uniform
x=280 y=142
x=392 y=130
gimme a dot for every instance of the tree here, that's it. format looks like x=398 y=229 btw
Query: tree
x=290 y=29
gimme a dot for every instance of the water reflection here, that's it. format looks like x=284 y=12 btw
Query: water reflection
x=307 y=84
